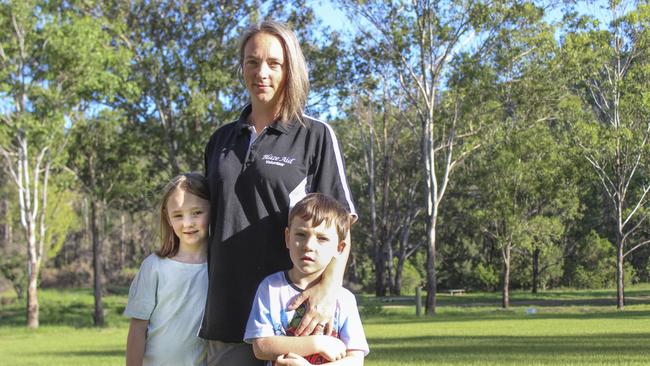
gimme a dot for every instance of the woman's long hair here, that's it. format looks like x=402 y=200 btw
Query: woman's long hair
x=296 y=85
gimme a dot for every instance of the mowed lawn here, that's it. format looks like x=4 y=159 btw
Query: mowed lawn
x=552 y=328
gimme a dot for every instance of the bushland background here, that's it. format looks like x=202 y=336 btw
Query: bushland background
x=490 y=145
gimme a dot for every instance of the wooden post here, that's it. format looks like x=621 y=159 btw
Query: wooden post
x=418 y=300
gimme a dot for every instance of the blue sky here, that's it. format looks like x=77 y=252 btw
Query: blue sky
x=331 y=15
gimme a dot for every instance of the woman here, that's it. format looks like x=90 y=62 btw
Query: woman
x=258 y=167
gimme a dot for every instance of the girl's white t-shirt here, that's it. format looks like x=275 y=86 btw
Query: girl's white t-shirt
x=171 y=295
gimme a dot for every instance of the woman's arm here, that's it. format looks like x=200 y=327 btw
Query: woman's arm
x=270 y=348
x=135 y=342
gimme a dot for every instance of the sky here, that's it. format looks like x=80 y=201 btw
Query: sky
x=331 y=15
x=334 y=17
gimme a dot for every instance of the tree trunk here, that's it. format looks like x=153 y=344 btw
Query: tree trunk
x=122 y=240
x=380 y=272
x=620 y=280
x=536 y=253
x=401 y=258
x=97 y=266
x=4 y=227
x=505 y=300
x=397 y=282
x=353 y=270
x=430 y=308
x=388 y=259
x=32 y=294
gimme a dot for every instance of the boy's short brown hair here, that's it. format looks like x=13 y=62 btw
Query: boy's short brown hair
x=318 y=207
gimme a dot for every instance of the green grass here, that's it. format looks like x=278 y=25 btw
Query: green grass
x=583 y=328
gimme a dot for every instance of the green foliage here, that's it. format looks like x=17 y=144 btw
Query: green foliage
x=12 y=267
x=527 y=195
x=487 y=276
x=372 y=309
x=61 y=218
x=411 y=277
x=137 y=88
x=83 y=59
x=106 y=159
x=595 y=263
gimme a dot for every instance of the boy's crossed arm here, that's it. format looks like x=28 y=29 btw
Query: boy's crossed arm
x=353 y=358
x=289 y=350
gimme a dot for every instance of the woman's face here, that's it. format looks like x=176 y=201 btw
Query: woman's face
x=264 y=69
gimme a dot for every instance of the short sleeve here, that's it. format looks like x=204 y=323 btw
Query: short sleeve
x=260 y=323
x=351 y=332
x=329 y=176
x=142 y=293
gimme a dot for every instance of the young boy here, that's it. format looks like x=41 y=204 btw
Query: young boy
x=318 y=225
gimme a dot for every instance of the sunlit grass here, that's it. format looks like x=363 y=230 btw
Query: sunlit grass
x=552 y=336
x=467 y=330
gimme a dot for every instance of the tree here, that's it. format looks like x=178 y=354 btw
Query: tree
x=526 y=197
x=52 y=60
x=103 y=156
x=612 y=70
x=388 y=184
x=420 y=39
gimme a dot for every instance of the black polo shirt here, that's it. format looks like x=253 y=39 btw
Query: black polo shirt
x=251 y=191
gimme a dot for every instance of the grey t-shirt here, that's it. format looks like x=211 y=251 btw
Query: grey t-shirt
x=171 y=295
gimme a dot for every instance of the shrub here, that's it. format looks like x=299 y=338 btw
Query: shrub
x=372 y=308
x=487 y=276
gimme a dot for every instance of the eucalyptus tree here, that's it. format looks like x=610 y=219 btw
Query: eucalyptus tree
x=53 y=61
x=526 y=197
x=420 y=39
x=106 y=161
x=611 y=66
x=384 y=165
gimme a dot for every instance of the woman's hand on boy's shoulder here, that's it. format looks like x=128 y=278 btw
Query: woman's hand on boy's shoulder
x=321 y=304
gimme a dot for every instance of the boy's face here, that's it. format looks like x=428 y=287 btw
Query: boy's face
x=311 y=247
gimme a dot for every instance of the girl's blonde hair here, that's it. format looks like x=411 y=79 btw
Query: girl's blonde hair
x=296 y=86
x=193 y=183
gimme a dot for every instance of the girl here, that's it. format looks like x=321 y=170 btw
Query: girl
x=172 y=284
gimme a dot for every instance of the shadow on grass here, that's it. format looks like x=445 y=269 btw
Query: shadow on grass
x=499 y=314
x=74 y=314
x=71 y=307
x=104 y=353
x=600 y=299
x=462 y=350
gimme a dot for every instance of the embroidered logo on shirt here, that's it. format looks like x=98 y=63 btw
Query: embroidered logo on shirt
x=277 y=160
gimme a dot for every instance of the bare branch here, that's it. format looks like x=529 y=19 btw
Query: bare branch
x=607 y=183
x=638 y=204
x=633 y=229
x=638 y=158
x=636 y=247
x=9 y=164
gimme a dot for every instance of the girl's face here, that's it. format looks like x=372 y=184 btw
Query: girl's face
x=264 y=69
x=188 y=215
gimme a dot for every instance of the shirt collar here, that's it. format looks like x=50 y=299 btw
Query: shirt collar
x=242 y=122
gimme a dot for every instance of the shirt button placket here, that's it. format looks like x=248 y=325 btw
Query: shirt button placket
x=251 y=153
